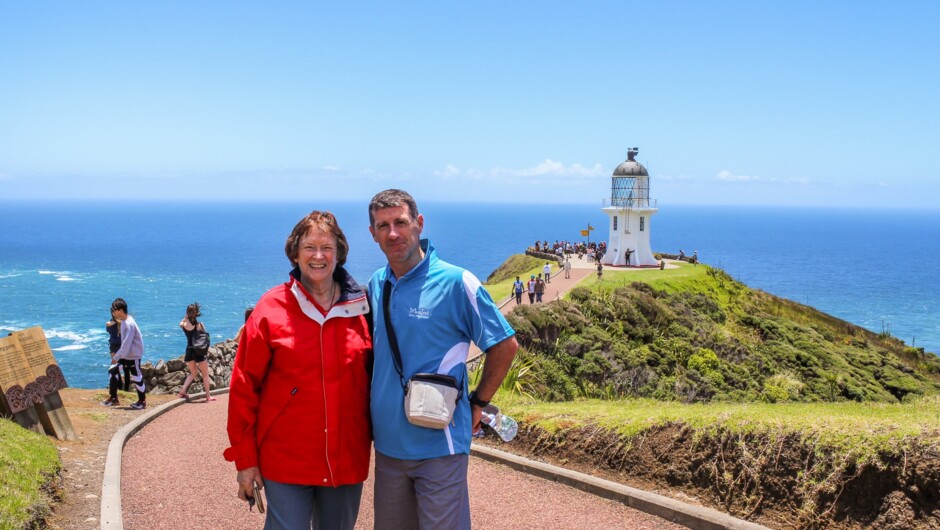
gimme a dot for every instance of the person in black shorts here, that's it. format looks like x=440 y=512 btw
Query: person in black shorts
x=113 y=327
x=192 y=357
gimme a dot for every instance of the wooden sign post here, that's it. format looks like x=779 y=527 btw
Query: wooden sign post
x=30 y=380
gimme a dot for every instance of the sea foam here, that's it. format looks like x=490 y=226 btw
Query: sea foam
x=71 y=347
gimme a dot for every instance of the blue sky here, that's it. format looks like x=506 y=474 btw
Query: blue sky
x=797 y=103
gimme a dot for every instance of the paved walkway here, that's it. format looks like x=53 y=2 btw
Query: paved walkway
x=173 y=476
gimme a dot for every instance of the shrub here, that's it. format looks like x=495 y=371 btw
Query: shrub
x=782 y=387
x=554 y=384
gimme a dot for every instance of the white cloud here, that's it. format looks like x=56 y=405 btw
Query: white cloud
x=543 y=171
x=682 y=178
x=728 y=176
x=448 y=172
x=731 y=177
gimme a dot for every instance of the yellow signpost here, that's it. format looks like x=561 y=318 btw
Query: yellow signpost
x=30 y=380
x=587 y=233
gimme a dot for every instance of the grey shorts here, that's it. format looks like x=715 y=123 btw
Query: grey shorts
x=425 y=494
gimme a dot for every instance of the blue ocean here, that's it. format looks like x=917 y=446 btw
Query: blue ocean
x=61 y=264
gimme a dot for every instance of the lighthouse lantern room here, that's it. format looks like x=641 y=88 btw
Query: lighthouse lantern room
x=630 y=209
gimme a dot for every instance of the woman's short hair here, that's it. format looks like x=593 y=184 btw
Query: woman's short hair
x=192 y=311
x=322 y=221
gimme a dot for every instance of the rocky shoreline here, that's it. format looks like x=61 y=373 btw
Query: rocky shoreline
x=167 y=376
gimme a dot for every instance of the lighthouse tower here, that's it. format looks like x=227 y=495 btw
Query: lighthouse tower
x=630 y=209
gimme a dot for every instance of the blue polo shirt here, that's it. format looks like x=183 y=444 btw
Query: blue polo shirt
x=436 y=310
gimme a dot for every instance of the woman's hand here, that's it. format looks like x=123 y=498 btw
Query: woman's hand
x=246 y=482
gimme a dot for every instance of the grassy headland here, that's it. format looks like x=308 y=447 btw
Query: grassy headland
x=773 y=411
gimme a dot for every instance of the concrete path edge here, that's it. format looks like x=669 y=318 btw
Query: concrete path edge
x=112 y=517
x=697 y=517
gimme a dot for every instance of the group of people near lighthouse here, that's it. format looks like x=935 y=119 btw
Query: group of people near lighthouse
x=566 y=249
x=327 y=369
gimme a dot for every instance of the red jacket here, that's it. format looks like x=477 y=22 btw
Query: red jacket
x=299 y=396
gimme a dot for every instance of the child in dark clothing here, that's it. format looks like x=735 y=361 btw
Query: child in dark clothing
x=113 y=328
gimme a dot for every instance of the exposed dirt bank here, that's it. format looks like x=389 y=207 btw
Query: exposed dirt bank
x=780 y=483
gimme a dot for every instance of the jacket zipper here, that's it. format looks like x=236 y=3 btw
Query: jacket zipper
x=326 y=413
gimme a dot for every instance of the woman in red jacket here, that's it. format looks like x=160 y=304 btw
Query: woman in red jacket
x=298 y=415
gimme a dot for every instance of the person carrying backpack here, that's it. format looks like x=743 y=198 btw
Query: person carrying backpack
x=197 y=351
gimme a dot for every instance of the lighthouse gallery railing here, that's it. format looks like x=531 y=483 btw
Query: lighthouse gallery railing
x=629 y=203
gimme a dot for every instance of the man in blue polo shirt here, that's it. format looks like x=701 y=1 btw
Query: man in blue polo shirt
x=436 y=309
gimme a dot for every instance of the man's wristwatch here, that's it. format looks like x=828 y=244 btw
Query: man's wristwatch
x=474 y=400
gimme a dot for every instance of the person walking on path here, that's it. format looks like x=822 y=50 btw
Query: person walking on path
x=127 y=356
x=547 y=272
x=194 y=358
x=567 y=268
x=432 y=312
x=531 y=287
x=113 y=327
x=517 y=287
x=600 y=269
x=539 y=289
x=298 y=414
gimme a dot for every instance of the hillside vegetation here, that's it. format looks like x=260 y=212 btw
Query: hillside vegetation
x=516 y=265
x=694 y=334
x=685 y=380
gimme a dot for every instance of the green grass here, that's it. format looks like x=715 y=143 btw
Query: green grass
x=686 y=278
x=614 y=277
x=862 y=430
x=96 y=416
x=516 y=264
x=28 y=464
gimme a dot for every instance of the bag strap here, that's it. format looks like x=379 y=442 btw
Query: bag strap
x=390 y=334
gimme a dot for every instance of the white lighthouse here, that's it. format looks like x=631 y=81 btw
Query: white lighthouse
x=630 y=209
